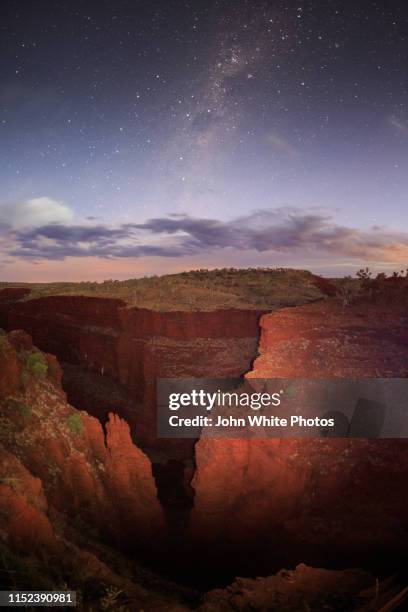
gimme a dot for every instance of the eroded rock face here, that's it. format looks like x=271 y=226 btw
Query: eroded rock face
x=41 y=548
x=323 y=501
x=135 y=346
x=325 y=340
x=9 y=369
x=62 y=481
x=24 y=523
x=105 y=483
x=72 y=499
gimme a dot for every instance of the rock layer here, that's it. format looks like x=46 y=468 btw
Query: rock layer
x=103 y=482
x=326 y=340
x=135 y=346
x=328 y=501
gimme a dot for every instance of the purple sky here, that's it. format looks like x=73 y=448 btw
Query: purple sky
x=152 y=137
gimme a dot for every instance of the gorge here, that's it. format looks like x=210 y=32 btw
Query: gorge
x=235 y=507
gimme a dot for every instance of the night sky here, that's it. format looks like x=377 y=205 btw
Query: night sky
x=148 y=137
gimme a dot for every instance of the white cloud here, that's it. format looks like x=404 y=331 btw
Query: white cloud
x=34 y=213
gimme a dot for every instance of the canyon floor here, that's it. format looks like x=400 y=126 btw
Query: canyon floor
x=91 y=499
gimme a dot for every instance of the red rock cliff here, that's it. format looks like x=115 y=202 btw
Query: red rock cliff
x=136 y=346
x=103 y=483
x=320 y=500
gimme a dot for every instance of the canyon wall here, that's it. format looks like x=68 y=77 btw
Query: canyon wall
x=318 y=501
x=135 y=346
x=58 y=487
x=72 y=497
x=96 y=479
x=325 y=501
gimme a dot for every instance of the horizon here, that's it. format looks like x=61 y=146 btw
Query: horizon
x=141 y=276
x=173 y=137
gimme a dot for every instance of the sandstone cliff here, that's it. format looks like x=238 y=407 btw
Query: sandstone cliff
x=65 y=486
x=69 y=487
x=135 y=346
x=325 y=501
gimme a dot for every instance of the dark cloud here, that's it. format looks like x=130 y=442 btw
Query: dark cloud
x=284 y=230
x=76 y=233
x=56 y=242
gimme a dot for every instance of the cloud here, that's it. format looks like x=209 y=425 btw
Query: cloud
x=34 y=212
x=287 y=231
x=58 y=241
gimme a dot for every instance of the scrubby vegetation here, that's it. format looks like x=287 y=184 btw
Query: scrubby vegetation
x=375 y=288
x=37 y=365
x=263 y=288
x=256 y=288
x=34 y=365
x=75 y=424
x=19 y=407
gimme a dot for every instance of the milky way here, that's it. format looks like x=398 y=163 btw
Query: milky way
x=116 y=114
